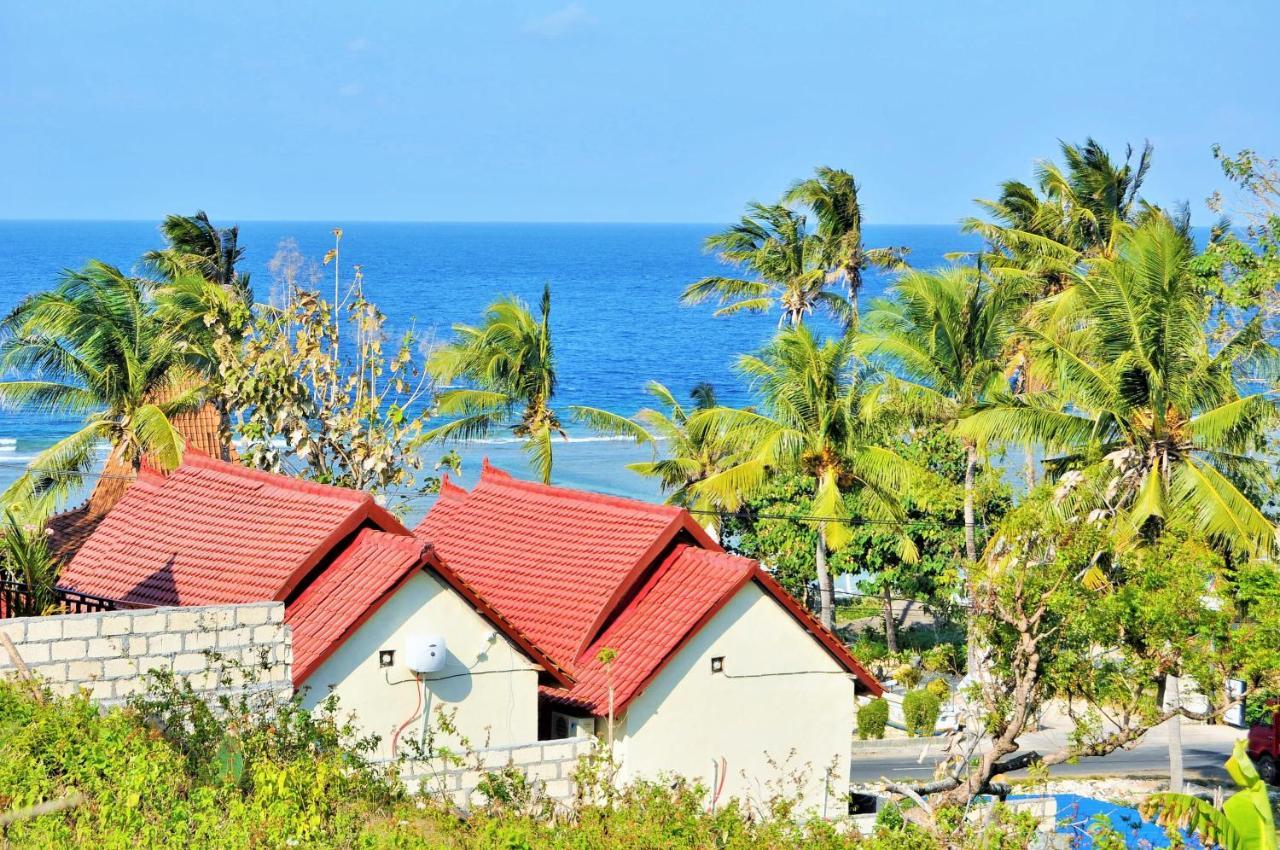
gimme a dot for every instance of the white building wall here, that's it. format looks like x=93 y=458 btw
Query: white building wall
x=780 y=699
x=490 y=682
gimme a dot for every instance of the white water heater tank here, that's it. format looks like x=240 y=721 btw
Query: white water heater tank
x=425 y=653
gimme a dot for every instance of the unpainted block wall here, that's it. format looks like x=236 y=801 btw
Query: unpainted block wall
x=550 y=765
x=109 y=653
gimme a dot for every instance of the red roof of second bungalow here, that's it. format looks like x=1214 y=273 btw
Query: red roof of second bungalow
x=579 y=571
x=213 y=532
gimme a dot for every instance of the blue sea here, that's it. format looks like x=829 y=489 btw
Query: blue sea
x=616 y=318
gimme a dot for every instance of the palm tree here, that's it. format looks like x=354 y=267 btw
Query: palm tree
x=945 y=332
x=196 y=245
x=689 y=456
x=785 y=262
x=509 y=365
x=1151 y=426
x=832 y=196
x=1079 y=212
x=821 y=418
x=95 y=346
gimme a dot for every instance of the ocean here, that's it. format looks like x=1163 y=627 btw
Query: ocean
x=616 y=318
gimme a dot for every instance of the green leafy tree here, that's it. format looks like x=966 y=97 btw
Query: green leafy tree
x=945 y=334
x=1077 y=210
x=831 y=195
x=25 y=559
x=1104 y=647
x=819 y=418
x=351 y=416
x=195 y=245
x=508 y=365
x=688 y=457
x=1244 y=822
x=95 y=346
x=1151 y=426
x=785 y=264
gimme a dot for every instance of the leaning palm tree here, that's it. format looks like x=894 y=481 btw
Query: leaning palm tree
x=944 y=333
x=820 y=417
x=94 y=346
x=689 y=457
x=784 y=263
x=1039 y=236
x=508 y=365
x=1150 y=426
x=832 y=196
x=195 y=245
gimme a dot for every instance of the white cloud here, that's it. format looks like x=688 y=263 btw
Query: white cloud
x=350 y=90
x=561 y=22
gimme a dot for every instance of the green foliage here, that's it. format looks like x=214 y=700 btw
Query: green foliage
x=97 y=345
x=1245 y=821
x=939 y=688
x=314 y=376
x=1152 y=428
x=908 y=674
x=873 y=717
x=920 y=710
x=507 y=366
x=25 y=558
x=772 y=244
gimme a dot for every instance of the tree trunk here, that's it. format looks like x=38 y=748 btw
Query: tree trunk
x=826 y=592
x=970 y=471
x=973 y=657
x=890 y=622
x=1175 y=736
x=1029 y=468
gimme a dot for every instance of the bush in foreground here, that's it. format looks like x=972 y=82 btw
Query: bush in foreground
x=872 y=718
x=185 y=777
x=920 y=709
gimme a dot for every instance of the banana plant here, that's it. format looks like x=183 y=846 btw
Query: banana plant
x=1243 y=823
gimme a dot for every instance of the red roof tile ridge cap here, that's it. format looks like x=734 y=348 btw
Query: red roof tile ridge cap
x=505 y=480
x=665 y=567
x=277 y=479
x=393 y=539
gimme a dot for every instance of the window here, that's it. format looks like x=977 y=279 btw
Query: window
x=717 y=664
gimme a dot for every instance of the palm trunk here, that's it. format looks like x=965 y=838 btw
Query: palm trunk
x=826 y=592
x=971 y=554
x=970 y=471
x=1029 y=468
x=890 y=622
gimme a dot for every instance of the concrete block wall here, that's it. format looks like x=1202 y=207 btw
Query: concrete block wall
x=109 y=652
x=549 y=764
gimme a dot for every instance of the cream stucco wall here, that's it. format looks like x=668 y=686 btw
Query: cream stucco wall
x=490 y=682
x=780 y=691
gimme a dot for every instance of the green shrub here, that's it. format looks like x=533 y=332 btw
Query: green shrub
x=939 y=688
x=920 y=711
x=943 y=658
x=908 y=675
x=872 y=718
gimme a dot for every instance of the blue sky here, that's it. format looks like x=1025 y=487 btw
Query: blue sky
x=600 y=110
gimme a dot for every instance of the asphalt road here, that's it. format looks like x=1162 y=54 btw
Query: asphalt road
x=1201 y=762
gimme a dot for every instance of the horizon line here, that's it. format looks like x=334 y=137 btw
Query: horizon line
x=333 y=222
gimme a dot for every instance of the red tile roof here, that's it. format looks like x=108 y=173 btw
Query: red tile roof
x=347 y=593
x=360 y=580
x=215 y=532
x=555 y=561
x=579 y=571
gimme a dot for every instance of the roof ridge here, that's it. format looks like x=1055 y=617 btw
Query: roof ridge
x=276 y=479
x=500 y=478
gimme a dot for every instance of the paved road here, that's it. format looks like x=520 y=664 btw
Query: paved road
x=1202 y=761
